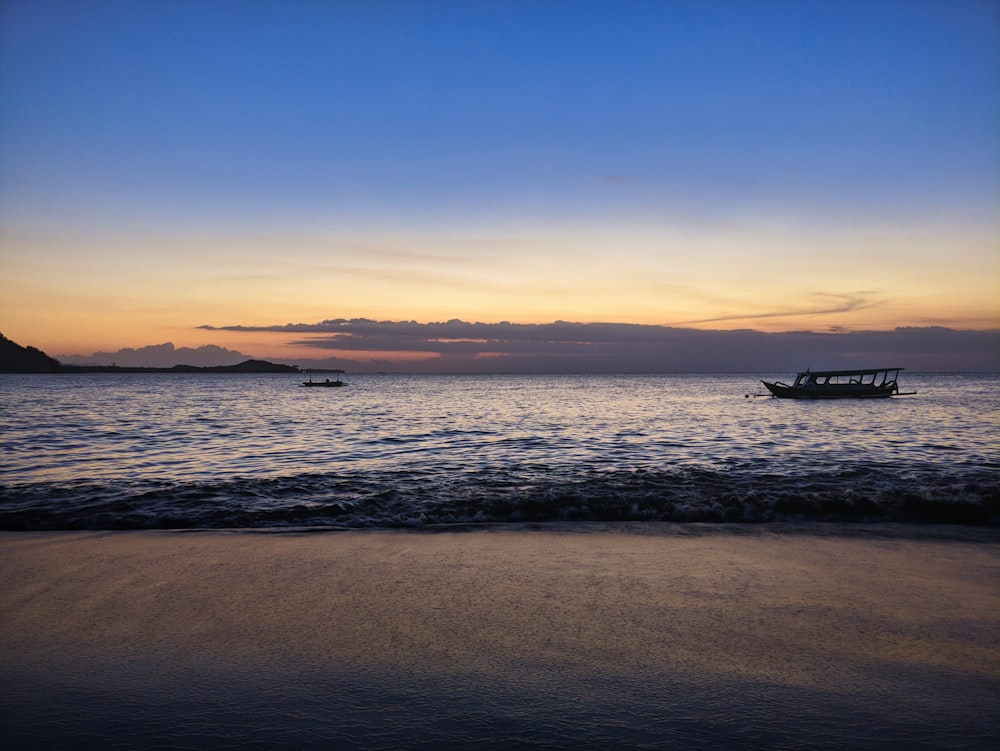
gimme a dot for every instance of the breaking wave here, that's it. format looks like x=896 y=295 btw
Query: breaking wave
x=416 y=499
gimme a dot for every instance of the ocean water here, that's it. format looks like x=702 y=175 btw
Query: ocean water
x=822 y=632
x=109 y=451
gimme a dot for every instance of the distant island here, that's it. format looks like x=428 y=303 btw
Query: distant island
x=247 y=366
x=15 y=358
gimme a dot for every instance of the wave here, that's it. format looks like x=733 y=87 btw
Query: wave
x=745 y=493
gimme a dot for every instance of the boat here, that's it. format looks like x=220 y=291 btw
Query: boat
x=325 y=383
x=870 y=383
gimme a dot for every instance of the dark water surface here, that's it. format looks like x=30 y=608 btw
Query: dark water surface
x=165 y=451
x=337 y=712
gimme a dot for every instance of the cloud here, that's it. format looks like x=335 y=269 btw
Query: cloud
x=560 y=347
x=829 y=303
x=160 y=356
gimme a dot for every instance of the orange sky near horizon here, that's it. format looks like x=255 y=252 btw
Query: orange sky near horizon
x=776 y=166
x=103 y=295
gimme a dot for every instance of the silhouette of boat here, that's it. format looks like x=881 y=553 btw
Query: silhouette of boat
x=325 y=383
x=871 y=383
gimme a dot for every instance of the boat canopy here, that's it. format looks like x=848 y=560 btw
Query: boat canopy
x=860 y=375
x=859 y=371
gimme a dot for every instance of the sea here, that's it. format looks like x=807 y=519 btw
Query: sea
x=861 y=621
x=170 y=451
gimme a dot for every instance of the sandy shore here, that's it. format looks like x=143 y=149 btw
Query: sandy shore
x=513 y=637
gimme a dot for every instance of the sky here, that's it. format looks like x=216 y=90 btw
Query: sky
x=570 y=184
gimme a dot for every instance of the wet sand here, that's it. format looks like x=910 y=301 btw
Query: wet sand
x=591 y=637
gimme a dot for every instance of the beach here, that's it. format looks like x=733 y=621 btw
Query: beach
x=572 y=636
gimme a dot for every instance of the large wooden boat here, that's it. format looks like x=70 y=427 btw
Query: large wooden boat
x=869 y=383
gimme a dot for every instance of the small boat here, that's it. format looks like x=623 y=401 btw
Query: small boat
x=326 y=383
x=869 y=383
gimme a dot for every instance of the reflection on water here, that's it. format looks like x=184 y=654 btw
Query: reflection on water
x=586 y=712
x=209 y=427
x=436 y=449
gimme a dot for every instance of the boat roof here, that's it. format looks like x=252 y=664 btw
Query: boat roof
x=853 y=371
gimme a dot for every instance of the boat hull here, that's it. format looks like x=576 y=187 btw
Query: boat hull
x=831 y=391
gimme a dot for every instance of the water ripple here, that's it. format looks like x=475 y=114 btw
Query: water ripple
x=86 y=451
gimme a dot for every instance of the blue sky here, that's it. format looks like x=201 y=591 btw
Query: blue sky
x=498 y=108
x=163 y=162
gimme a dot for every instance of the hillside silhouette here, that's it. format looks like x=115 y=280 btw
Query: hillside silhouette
x=15 y=358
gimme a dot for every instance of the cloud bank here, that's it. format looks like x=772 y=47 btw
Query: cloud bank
x=160 y=356
x=455 y=346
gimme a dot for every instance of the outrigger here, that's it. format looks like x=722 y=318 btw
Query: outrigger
x=869 y=383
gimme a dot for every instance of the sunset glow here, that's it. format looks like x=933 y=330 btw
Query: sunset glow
x=773 y=166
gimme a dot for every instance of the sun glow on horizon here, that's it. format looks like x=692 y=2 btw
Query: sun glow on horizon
x=776 y=168
x=102 y=297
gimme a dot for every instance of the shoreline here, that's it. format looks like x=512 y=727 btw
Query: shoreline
x=901 y=530
x=536 y=635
